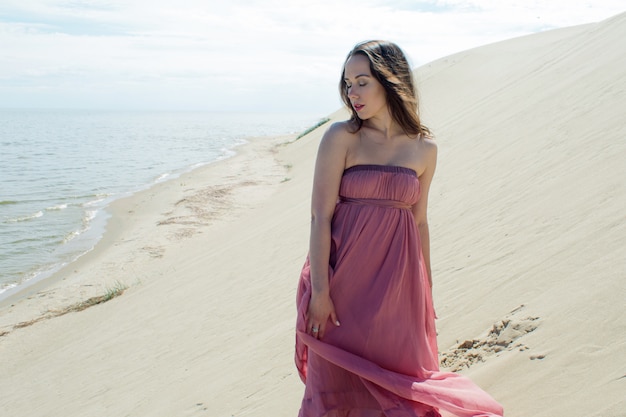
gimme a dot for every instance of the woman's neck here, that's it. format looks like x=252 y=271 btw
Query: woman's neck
x=385 y=125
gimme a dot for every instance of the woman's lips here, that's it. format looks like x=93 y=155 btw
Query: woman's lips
x=358 y=107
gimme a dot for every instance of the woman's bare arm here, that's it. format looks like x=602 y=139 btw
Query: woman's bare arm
x=420 y=210
x=329 y=168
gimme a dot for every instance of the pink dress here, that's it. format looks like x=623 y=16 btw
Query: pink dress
x=382 y=361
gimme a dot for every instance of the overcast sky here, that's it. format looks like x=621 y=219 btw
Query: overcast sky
x=237 y=55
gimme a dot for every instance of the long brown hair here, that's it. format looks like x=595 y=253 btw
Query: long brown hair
x=390 y=67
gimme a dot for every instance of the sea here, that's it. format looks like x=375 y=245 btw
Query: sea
x=60 y=169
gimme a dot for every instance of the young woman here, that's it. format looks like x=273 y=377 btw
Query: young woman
x=366 y=341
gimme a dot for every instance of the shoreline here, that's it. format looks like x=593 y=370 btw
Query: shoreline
x=50 y=222
x=64 y=287
x=195 y=257
x=99 y=226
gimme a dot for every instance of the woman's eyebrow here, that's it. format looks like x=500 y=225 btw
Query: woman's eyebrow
x=358 y=76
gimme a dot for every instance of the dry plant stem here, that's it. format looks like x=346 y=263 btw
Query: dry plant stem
x=115 y=291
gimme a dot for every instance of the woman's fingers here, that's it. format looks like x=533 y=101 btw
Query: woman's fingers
x=321 y=310
x=333 y=317
x=314 y=330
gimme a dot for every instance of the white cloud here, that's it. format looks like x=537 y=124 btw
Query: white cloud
x=236 y=55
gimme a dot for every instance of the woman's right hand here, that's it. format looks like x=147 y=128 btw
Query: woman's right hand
x=321 y=310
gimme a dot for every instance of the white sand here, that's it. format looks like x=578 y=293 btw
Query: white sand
x=528 y=232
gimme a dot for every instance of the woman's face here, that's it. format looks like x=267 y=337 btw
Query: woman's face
x=366 y=94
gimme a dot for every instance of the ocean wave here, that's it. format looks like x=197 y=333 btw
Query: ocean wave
x=89 y=216
x=99 y=199
x=26 y=218
x=8 y=202
x=57 y=207
x=71 y=235
x=162 y=177
x=7 y=286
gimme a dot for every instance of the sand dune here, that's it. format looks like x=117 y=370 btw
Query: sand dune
x=529 y=210
x=527 y=227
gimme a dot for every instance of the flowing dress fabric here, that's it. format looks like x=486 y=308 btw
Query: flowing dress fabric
x=382 y=361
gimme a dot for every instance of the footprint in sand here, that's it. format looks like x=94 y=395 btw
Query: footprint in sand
x=502 y=336
x=154 y=251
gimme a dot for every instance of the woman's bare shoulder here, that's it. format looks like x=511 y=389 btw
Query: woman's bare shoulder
x=339 y=134
x=342 y=129
x=429 y=144
x=425 y=155
x=427 y=139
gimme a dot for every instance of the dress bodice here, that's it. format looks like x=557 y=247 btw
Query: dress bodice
x=380 y=182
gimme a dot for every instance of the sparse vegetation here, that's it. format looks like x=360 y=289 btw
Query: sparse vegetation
x=312 y=128
x=111 y=292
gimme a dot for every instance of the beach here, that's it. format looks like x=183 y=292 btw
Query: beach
x=527 y=232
